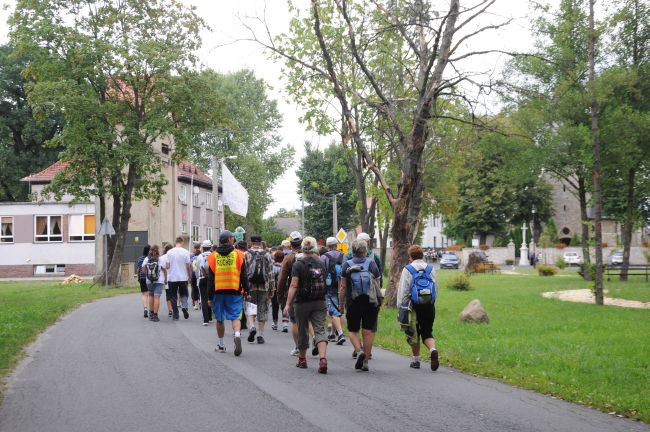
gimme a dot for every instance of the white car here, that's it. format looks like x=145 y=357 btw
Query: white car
x=572 y=258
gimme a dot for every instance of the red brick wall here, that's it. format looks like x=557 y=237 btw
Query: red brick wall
x=27 y=270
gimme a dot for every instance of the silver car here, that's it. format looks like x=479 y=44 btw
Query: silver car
x=449 y=261
x=616 y=258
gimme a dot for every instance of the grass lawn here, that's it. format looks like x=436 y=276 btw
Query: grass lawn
x=636 y=288
x=28 y=308
x=596 y=356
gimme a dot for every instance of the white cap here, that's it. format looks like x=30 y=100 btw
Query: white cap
x=363 y=236
x=295 y=236
x=206 y=244
x=331 y=241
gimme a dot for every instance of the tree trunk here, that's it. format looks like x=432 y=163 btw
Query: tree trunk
x=586 y=257
x=383 y=240
x=628 y=224
x=595 y=137
x=115 y=257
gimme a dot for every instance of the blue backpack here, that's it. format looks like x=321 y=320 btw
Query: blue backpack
x=360 y=277
x=423 y=286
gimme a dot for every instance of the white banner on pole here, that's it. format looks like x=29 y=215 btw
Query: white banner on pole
x=234 y=195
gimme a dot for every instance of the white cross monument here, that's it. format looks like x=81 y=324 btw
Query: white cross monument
x=523 y=251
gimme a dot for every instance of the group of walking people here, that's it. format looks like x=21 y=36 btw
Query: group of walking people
x=305 y=286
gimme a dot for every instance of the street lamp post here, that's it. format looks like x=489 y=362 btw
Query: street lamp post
x=534 y=211
x=335 y=215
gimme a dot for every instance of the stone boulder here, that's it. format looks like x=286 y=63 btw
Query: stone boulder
x=474 y=313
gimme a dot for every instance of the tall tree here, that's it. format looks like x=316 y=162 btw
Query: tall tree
x=118 y=72
x=22 y=137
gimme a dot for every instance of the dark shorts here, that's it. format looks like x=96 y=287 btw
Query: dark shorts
x=143 y=286
x=424 y=316
x=361 y=315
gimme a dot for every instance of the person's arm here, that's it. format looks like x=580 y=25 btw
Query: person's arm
x=210 y=275
x=403 y=288
x=293 y=288
x=243 y=278
x=285 y=271
x=164 y=270
x=343 y=286
x=188 y=267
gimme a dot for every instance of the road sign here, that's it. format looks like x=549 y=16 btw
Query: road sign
x=343 y=247
x=341 y=235
x=106 y=228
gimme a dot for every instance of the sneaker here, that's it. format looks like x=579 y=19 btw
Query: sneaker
x=364 y=366
x=415 y=365
x=322 y=366
x=435 y=363
x=285 y=328
x=220 y=349
x=146 y=313
x=314 y=350
x=260 y=339
x=196 y=307
x=354 y=354
x=155 y=318
x=169 y=314
x=340 y=340
x=301 y=363
x=175 y=319
x=186 y=314
x=294 y=352
x=251 y=334
x=331 y=337
x=274 y=326
x=361 y=359
x=237 y=346
x=205 y=324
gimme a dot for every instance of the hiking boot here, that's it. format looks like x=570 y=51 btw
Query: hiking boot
x=435 y=363
x=322 y=366
x=146 y=313
x=237 y=346
x=220 y=349
x=186 y=314
x=301 y=363
x=260 y=339
x=274 y=326
x=415 y=365
x=175 y=319
x=169 y=314
x=361 y=359
x=294 y=352
x=251 y=334
x=314 y=350
x=364 y=366
x=340 y=340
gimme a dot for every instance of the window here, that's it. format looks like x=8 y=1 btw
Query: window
x=82 y=227
x=563 y=187
x=208 y=200
x=195 y=233
x=195 y=199
x=49 y=269
x=183 y=227
x=164 y=148
x=6 y=229
x=565 y=208
x=208 y=233
x=183 y=195
x=48 y=229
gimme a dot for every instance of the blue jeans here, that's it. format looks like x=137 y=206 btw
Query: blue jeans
x=155 y=288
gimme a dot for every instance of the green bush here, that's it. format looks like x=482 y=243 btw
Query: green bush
x=460 y=282
x=546 y=270
x=592 y=270
x=560 y=263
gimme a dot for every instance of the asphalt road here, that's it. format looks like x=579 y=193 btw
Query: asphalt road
x=105 y=368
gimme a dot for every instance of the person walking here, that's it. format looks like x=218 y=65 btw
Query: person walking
x=168 y=292
x=261 y=283
x=278 y=257
x=284 y=281
x=227 y=277
x=179 y=274
x=417 y=291
x=155 y=269
x=357 y=280
x=333 y=261
x=195 y=271
x=142 y=279
x=202 y=278
x=307 y=295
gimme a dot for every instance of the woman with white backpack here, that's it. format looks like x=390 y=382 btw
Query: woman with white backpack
x=416 y=296
x=155 y=269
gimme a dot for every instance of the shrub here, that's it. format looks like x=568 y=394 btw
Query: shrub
x=484 y=247
x=510 y=262
x=460 y=282
x=546 y=270
x=457 y=247
x=560 y=246
x=560 y=263
x=592 y=271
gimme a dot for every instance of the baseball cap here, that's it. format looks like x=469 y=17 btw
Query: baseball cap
x=331 y=241
x=363 y=236
x=295 y=236
x=285 y=243
x=224 y=236
x=206 y=244
x=256 y=239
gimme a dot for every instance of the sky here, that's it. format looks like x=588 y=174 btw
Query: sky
x=224 y=51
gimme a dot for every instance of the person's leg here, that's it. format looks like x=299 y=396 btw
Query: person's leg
x=168 y=298
x=285 y=319
x=184 y=293
x=317 y=317
x=234 y=309
x=195 y=290
x=275 y=308
x=262 y=301
x=301 y=313
x=354 y=325
x=205 y=308
x=173 y=291
x=250 y=319
x=426 y=315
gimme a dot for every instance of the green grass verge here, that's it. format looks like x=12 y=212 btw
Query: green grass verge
x=596 y=356
x=636 y=288
x=28 y=308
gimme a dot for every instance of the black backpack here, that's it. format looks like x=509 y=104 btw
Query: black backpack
x=257 y=272
x=314 y=287
x=333 y=273
x=153 y=271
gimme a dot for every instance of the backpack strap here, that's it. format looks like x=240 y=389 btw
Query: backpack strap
x=429 y=269
x=412 y=269
x=366 y=265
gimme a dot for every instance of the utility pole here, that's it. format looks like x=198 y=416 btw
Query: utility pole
x=191 y=205
x=335 y=222
x=302 y=203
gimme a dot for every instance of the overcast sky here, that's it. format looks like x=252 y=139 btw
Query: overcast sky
x=221 y=52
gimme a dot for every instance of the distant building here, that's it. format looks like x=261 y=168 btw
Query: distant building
x=433 y=234
x=287 y=224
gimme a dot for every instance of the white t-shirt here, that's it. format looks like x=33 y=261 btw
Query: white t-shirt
x=178 y=259
x=202 y=263
x=161 y=266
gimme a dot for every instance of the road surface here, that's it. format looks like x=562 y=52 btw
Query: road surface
x=105 y=368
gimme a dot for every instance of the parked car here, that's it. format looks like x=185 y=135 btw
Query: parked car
x=572 y=258
x=481 y=256
x=616 y=258
x=449 y=261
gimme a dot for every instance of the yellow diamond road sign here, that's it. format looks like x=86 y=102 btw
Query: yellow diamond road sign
x=341 y=235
